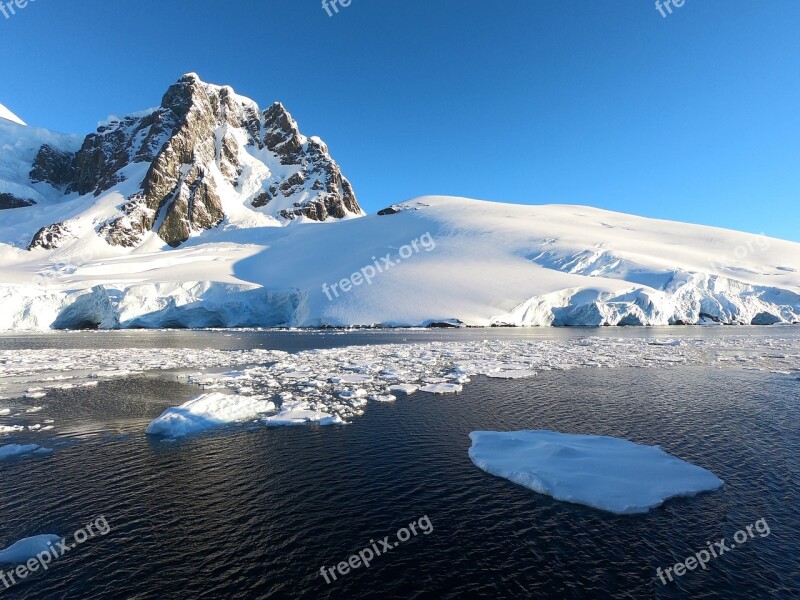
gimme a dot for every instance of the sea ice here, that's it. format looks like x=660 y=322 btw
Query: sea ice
x=301 y=413
x=17 y=450
x=442 y=388
x=28 y=548
x=206 y=412
x=611 y=474
x=404 y=389
x=11 y=428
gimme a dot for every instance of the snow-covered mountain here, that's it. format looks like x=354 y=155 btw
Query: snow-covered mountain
x=10 y=116
x=207 y=211
x=205 y=157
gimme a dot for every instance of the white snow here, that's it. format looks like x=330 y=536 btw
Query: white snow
x=206 y=412
x=10 y=116
x=607 y=473
x=492 y=264
x=28 y=548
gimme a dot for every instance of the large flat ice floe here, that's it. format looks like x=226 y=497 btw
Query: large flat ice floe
x=28 y=548
x=206 y=412
x=608 y=473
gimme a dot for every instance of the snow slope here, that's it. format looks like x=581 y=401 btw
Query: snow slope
x=19 y=145
x=10 y=116
x=482 y=263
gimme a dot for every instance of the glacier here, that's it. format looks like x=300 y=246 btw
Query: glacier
x=494 y=265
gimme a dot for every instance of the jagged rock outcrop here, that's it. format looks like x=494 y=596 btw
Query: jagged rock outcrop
x=317 y=171
x=12 y=201
x=204 y=143
x=50 y=237
x=53 y=166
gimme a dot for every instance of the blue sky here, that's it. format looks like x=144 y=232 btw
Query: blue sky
x=692 y=117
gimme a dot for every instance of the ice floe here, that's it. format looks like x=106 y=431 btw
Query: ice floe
x=608 y=473
x=442 y=388
x=28 y=548
x=206 y=412
x=11 y=450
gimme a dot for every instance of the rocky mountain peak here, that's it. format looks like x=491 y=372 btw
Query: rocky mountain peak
x=203 y=143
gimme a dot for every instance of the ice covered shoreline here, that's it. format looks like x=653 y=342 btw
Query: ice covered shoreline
x=489 y=264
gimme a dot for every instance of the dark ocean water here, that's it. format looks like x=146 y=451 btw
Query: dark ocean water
x=255 y=513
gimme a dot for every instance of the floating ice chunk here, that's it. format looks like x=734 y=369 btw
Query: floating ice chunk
x=206 y=412
x=442 y=388
x=300 y=413
x=512 y=374
x=383 y=398
x=34 y=409
x=28 y=548
x=351 y=394
x=403 y=389
x=352 y=378
x=5 y=411
x=11 y=428
x=608 y=473
x=17 y=450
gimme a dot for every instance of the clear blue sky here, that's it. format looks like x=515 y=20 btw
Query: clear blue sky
x=693 y=117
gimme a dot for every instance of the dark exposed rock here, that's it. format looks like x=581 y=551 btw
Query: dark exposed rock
x=195 y=205
x=447 y=324
x=11 y=201
x=53 y=166
x=198 y=130
x=402 y=207
x=261 y=200
x=50 y=237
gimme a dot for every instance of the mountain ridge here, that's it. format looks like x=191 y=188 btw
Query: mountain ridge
x=203 y=143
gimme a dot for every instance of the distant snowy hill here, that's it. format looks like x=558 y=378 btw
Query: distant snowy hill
x=434 y=259
x=208 y=212
x=9 y=116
